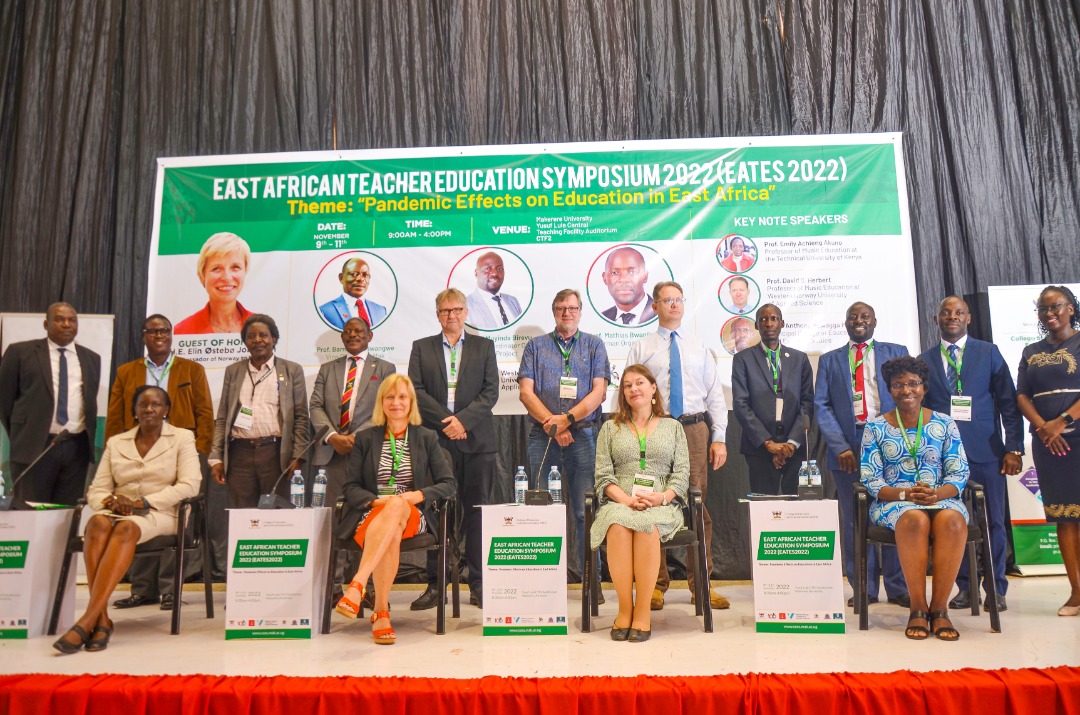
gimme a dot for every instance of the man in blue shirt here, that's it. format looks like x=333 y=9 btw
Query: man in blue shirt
x=563 y=380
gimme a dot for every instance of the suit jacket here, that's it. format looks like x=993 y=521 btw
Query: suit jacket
x=168 y=474
x=484 y=314
x=755 y=404
x=986 y=379
x=292 y=410
x=833 y=407
x=27 y=402
x=337 y=312
x=326 y=399
x=431 y=474
x=477 y=389
x=648 y=314
x=189 y=392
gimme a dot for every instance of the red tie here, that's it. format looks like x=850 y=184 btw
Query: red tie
x=362 y=312
x=860 y=382
x=346 y=397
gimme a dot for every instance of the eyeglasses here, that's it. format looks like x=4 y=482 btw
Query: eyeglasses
x=671 y=301
x=1055 y=308
x=571 y=310
x=447 y=312
x=911 y=385
x=157 y=332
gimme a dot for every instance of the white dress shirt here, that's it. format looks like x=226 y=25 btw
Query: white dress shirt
x=76 y=418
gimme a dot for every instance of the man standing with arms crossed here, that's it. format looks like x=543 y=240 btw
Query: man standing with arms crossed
x=970 y=381
x=849 y=393
x=457 y=385
x=563 y=380
x=685 y=372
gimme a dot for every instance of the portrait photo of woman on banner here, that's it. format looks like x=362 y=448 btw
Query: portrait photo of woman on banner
x=222 y=268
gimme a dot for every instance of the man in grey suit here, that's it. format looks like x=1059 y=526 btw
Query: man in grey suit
x=48 y=386
x=457 y=385
x=490 y=308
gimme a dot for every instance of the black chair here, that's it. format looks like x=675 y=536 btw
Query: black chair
x=868 y=535
x=694 y=515
x=192 y=534
x=442 y=543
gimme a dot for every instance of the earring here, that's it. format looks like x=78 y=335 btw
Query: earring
x=654 y=400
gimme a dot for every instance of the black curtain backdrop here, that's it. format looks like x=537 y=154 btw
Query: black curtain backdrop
x=987 y=93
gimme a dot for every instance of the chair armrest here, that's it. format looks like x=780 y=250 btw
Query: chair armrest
x=197 y=499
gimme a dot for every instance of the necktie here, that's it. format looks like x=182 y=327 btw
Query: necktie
x=62 y=391
x=626 y=318
x=675 y=377
x=362 y=312
x=950 y=372
x=860 y=380
x=346 y=397
x=501 y=311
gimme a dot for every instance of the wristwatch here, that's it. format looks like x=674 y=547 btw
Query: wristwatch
x=570 y=419
x=1066 y=418
x=903 y=495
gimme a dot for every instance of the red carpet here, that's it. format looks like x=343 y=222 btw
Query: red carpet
x=963 y=692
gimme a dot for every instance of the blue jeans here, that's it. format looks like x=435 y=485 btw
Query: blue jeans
x=577 y=463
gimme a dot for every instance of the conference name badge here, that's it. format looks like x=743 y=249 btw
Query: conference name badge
x=643 y=484
x=387 y=491
x=960 y=408
x=779 y=409
x=568 y=388
x=857 y=403
x=245 y=418
x=451 y=392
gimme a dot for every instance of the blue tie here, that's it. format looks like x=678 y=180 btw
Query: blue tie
x=950 y=372
x=62 y=391
x=675 y=368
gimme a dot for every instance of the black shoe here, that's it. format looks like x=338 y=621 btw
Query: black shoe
x=476 y=597
x=903 y=600
x=167 y=602
x=134 y=600
x=1001 y=603
x=638 y=636
x=869 y=600
x=619 y=634
x=428 y=599
x=962 y=600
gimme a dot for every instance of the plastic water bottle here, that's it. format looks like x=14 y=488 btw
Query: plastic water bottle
x=814 y=473
x=521 y=485
x=296 y=489
x=318 y=491
x=804 y=474
x=555 y=485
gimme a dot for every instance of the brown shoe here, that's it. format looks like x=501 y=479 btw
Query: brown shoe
x=657 y=601
x=717 y=601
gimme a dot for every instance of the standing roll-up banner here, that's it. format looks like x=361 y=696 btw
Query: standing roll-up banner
x=1015 y=325
x=810 y=223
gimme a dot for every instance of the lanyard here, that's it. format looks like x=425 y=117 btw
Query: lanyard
x=261 y=379
x=956 y=365
x=641 y=440
x=912 y=449
x=773 y=358
x=453 y=363
x=565 y=352
x=395 y=453
x=151 y=368
x=856 y=365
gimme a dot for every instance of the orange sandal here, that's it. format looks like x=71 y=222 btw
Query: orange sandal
x=350 y=609
x=384 y=636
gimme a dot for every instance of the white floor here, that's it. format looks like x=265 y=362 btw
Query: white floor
x=1033 y=636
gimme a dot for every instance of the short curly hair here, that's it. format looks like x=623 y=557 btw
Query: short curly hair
x=901 y=365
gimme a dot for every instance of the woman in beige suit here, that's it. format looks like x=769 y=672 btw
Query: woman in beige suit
x=143 y=475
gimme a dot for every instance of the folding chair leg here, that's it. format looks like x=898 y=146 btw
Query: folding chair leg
x=586 y=589
x=973 y=578
x=703 y=585
x=58 y=601
x=208 y=581
x=329 y=593
x=178 y=571
x=440 y=579
x=455 y=584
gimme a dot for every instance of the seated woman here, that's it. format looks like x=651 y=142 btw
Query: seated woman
x=642 y=472
x=914 y=465
x=395 y=466
x=143 y=475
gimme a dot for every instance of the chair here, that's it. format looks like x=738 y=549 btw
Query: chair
x=442 y=543
x=694 y=514
x=867 y=535
x=192 y=533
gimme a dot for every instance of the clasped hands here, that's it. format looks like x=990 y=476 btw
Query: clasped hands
x=121 y=505
x=1049 y=433
x=923 y=495
x=780 y=451
x=414 y=497
x=563 y=436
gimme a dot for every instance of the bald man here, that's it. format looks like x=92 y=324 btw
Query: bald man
x=489 y=307
x=625 y=276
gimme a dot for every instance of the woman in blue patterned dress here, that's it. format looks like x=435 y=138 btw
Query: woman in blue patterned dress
x=638 y=446
x=914 y=465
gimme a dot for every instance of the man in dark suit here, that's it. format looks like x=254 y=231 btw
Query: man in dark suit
x=457 y=385
x=849 y=393
x=772 y=387
x=342 y=401
x=625 y=275
x=192 y=408
x=970 y=381
x=47 y=386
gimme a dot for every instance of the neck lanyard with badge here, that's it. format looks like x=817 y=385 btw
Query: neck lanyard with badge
x=396 y=454
x=245 y=419
x=912 y=448
x=858 y=398
x=451 y=385
x=643 y=483
x=960 y=406
x=773 y=358
x=167 y=368
x=567 y=385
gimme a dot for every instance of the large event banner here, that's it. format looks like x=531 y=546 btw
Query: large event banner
x=1015 y=325
x=811 y=223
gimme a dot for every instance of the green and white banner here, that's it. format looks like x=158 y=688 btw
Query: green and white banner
x=798 y=584
x=31 y=549
x=809 y=223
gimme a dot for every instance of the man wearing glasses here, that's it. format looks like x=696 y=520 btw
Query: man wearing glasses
x=970 y=381
x=686 y=375
x=192 y=408
x=625 y=276
x=457 y=385
x=563 y=378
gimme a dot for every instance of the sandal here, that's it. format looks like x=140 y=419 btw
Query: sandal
x=96 y=644
x=347 y=607
x=383 y=636
x=917 y=633
x=67 y=647
x=945 y=633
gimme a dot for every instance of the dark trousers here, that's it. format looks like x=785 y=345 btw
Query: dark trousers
x=252 y=471
x=890 y=562
x=767 y=479
x=997 y=491
x=60 y=476
x=475 y=474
